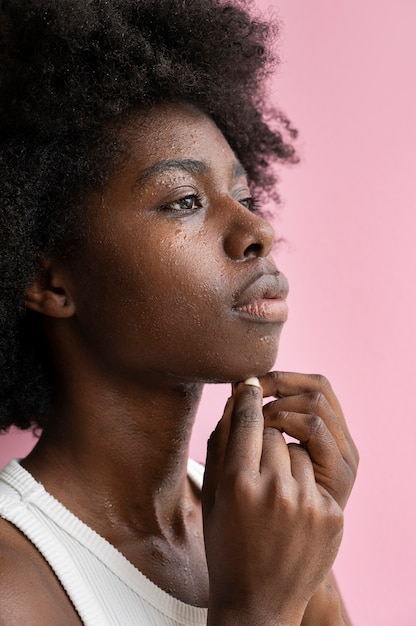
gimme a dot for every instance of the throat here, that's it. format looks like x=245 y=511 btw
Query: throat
x=168 y=548
x=181 y=571
x=174 y=562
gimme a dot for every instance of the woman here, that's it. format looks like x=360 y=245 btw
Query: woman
x=136 y=268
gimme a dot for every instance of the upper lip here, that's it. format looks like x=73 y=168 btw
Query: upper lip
x=264 y=286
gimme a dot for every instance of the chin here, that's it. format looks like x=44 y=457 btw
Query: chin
x=262 y=362
x=247 y=368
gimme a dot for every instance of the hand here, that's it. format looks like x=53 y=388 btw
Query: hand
x=271 y=529
x=306 y=406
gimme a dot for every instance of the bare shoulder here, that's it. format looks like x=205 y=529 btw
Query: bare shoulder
x=30 y=592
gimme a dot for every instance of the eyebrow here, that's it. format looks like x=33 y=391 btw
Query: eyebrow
x=238 y=170
x=190 y=166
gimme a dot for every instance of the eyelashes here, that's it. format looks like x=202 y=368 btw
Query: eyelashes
x=190 y=202
x=193 y=202
x=251 y=203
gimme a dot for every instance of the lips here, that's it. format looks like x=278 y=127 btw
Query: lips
x=264 y=299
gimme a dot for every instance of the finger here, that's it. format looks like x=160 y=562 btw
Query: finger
x=275 y=458
x=302 y=470
x=311 y=431
x=314 y=403
x=245 y=440
x=304 y=474
x=330 y=469
x=215 y=455
x=294 y=384
x=286 y=384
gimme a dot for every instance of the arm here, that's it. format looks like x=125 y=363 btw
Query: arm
x=30 y=592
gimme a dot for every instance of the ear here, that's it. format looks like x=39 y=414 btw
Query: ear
x=49 y=293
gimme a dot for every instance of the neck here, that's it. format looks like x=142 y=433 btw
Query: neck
x=119 y=454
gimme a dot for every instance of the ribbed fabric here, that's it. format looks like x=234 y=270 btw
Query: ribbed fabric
x=104 y=587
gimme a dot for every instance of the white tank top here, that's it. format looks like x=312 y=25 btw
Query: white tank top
x=104 y=587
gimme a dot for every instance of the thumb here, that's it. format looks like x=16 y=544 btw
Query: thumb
x=217 y=444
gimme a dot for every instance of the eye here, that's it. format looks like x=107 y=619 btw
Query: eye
x=250 y=203
x=192 y=202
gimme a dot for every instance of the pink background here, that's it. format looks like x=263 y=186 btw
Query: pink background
x=349 y=218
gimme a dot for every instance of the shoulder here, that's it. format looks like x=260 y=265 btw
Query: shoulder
x=30 y=591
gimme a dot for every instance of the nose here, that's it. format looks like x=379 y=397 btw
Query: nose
x=248 y=236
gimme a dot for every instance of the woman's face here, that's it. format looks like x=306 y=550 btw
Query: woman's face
x=176 y=281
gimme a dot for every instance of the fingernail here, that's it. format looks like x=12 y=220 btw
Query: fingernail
x=253 y=381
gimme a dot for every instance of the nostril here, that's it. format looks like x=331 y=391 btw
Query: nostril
x=248 y=236
x=253 y=250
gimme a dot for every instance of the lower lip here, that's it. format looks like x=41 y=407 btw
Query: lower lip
x=270 y=311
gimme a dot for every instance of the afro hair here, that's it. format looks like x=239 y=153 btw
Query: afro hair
x=71 y=72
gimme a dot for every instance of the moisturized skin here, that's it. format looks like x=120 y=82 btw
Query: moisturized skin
x=175 y=286
x=176 y=258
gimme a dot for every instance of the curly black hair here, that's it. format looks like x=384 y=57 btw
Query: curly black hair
x=71 y=72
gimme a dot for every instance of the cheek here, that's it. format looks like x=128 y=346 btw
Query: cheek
x=166 y=304
x=155 y=285
x=182 y=294
x=182 y=272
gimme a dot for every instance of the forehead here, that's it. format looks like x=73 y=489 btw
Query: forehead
x=174 y=131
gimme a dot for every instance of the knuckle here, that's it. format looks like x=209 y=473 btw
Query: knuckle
x=317 y=401
x=355 y=456
x=350 y=475
x=335 y=519
x=274 y=376
x=245 y=416
x=237 y=487
x=340 y=488
x=281 y=496
x=344 y=476
x=272 y=381
x=316 y=425
x=329 y=517
x=321 y=382
x=307 y=503
x=271 y=433
x=283 y=417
